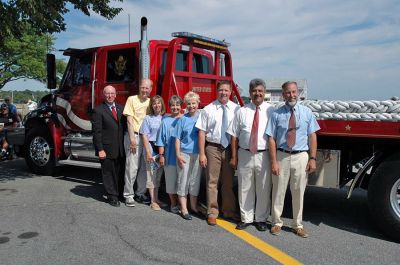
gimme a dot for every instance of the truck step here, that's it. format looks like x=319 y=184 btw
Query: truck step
x=70 y=162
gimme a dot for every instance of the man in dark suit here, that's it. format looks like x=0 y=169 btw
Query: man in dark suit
x=108 y=126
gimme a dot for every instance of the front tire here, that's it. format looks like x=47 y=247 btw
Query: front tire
x=384 y=196
x=39 y=151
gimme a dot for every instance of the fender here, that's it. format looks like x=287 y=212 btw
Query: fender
x=47 y=117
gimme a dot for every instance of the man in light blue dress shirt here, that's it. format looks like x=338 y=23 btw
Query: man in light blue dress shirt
x=292 y=147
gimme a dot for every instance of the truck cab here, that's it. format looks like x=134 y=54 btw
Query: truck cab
x=59 y=131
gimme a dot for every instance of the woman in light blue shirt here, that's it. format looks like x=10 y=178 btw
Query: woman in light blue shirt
x=148 y=131
x=166 y=147
x=187 y=156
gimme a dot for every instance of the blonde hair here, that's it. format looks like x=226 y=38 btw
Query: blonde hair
x=191 y=95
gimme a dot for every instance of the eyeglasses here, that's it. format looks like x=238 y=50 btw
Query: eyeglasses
x=109 y=94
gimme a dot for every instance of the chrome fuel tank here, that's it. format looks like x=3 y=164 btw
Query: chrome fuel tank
x=80 y=147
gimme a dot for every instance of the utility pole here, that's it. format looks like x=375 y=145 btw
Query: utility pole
x=129 y=27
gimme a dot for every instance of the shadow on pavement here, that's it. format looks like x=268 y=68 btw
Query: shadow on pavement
x=332 y=208
x=321 y=206
x=90 y=180
x=14 y=169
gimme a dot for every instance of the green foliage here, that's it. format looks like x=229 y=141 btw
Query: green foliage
x=46 y=17
x=25 y=57
x=25 y=28
x=61 y=65
x=21 y=97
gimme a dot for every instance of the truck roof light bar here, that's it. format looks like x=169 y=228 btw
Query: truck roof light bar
x=202 y=40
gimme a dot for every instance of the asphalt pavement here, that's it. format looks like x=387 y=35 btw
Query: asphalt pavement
x=63 y=219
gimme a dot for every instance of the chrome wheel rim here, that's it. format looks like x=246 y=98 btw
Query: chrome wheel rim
x=39 y=150
x=395 y=197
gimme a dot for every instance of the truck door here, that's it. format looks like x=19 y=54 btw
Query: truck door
x=117 y=65
x=73 y=101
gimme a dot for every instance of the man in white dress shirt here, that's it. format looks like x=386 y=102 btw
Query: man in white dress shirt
x=250 y=156
x=215 y=152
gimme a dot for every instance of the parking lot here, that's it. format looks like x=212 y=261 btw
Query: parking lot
x=63 y=219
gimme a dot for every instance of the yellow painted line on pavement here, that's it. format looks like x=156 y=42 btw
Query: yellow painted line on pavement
x=271 y=251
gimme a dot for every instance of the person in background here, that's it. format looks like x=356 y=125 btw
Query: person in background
x=166 y=146
x=187 y=156
x=108 y=126
x=215 y=153
x=7 y=120
x=136 y=108
x=148 y=131
x=292 y=148
x=251 y=158
x=11 y=106
x=31 y=105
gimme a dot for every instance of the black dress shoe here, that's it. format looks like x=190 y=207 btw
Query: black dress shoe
x=261 y=226
x=242 y=225
x=114 y=202
x=142 y=199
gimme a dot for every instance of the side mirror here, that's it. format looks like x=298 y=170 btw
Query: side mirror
x=51 y=71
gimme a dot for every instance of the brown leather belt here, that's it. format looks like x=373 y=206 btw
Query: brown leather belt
x=217 y=145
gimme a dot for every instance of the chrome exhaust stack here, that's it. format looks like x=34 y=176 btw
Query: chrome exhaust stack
x=144 y=59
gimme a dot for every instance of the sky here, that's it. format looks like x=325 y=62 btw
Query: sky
x=346 y=50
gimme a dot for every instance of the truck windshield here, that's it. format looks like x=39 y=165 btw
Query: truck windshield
x=77 y=72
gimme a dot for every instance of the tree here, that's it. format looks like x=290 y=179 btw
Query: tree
x=25 y=28
x=25 y=57
x=21 y=97
x=45 y=17
x=61 y=65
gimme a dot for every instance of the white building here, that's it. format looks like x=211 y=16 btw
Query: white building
x=274 y=88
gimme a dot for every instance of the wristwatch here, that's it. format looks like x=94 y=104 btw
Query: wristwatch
x=312 y=158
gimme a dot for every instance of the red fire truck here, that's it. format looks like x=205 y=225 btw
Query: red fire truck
x=361 y=149
x=59 y=131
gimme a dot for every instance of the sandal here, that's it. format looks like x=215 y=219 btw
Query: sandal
x=154 y=206
x=186 y=216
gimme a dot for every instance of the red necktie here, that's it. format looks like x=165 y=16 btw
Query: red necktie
x=291 y=133
x=254 y=134
x=114 y=112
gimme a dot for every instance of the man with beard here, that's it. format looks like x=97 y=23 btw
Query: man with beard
x=292 y=148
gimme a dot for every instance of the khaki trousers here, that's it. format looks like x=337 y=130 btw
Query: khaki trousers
x=219 y=171
x=293 y=169
x=254 y=176
x=153 y=176
x=135 y=169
